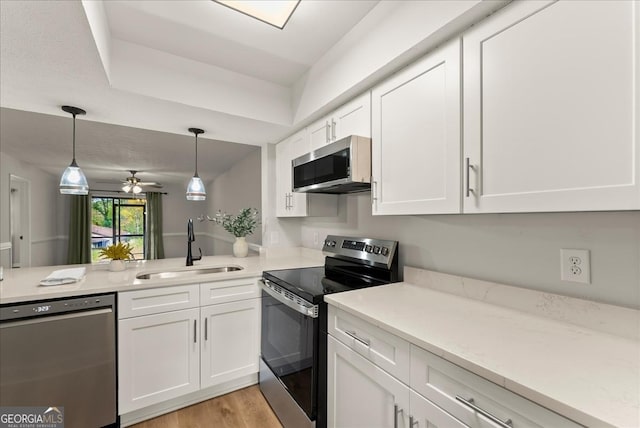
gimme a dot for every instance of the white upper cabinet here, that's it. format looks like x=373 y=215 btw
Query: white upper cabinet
x=288 y=202
x=551 y=108
x=416 y=137
x=353 y=118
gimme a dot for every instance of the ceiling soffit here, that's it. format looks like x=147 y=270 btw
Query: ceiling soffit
x=208 y=56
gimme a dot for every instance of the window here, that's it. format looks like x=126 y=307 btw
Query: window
x=117 y=219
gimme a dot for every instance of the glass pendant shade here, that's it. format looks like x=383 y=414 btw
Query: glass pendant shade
x=73 y=180
x=195 y=189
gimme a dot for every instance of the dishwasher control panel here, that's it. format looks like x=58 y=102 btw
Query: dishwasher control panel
x=50 y=307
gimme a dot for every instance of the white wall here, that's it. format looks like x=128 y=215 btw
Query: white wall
x=239 y=187
x=515 y=249
x=177 y=210
x=49 y=246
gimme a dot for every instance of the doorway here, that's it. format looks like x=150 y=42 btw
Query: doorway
x=20 y=221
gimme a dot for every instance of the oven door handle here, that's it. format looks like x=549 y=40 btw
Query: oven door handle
x=299 y=305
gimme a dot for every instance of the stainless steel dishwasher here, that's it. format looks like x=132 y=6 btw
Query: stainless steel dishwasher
x=61 y=353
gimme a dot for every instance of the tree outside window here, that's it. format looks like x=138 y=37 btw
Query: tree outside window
x=117 y=220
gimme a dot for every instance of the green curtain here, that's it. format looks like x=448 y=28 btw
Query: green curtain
x=153 y=245
x=79 y=250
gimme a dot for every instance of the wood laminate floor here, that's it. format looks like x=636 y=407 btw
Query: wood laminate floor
x=245 y=408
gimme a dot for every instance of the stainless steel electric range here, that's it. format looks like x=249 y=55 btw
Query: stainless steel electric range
x=293 y=364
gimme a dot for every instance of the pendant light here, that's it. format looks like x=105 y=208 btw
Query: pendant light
x=73 y=181
x=195 y=189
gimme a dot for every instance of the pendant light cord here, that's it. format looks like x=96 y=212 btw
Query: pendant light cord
x=196 y=155
x=73 y=161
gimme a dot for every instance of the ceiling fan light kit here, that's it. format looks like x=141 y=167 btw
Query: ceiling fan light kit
x=195 y=189
x=73 y=180
x=134 y=185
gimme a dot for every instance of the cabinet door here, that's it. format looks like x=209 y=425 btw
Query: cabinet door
x=158 y=358
x=428 y=415
x=320 y=133
x=230 y=341
x=359 y=394
x=415 y=149
x=288 y=203
x=283 y=178
x=299 y=145
x=353 y=118
x=550 y=108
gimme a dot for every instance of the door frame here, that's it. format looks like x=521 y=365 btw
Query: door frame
x=23 y=210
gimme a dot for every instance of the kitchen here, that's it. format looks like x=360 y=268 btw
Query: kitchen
x=517 y=246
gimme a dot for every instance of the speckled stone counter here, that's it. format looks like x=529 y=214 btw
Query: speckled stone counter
x=21 y=285
x=556 y=355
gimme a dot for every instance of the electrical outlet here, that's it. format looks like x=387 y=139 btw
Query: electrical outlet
x=575 y=265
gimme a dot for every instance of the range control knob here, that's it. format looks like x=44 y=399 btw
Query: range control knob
x=376 y=249
x=368 y=248
x=384 y=251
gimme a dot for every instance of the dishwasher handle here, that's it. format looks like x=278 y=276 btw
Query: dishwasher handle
x=43 y=319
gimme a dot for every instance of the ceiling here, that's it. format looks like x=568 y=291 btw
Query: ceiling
x=146 y=71
x=107 y=152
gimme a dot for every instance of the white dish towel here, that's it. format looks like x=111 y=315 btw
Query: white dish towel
x=65 y=276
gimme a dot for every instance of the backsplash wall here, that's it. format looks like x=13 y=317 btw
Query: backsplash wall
x=515 y=249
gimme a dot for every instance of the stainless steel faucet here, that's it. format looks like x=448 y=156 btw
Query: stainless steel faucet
x=191 y=237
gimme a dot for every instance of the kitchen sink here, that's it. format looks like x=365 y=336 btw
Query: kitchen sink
x=187 y=272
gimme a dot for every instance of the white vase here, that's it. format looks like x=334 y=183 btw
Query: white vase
x=240 y=247
x=117 y=265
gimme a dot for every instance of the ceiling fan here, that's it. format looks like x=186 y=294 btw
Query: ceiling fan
x=134 y=185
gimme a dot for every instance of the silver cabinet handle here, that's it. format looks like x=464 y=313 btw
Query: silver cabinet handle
x=374 y=192
x=396 y=411
x=468 y=167
x=195 y=331
x=354 y=335
x=290 y=200
x=327 y=131
x=333 y=129
x=469 y=403
x=206 y=322
x=412 y=422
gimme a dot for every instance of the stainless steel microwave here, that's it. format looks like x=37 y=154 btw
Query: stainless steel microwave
x=340 y=167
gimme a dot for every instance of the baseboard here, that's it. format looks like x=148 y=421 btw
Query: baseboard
x=155 y=410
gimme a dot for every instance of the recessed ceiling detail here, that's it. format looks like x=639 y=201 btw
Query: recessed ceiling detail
x=276 y=13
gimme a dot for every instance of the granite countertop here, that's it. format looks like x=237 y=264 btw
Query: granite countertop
x=21 y=285
x=590 y=376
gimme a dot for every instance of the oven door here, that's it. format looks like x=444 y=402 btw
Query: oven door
x=289 y=345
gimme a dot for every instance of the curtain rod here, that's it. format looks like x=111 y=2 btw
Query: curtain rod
x=128 y=193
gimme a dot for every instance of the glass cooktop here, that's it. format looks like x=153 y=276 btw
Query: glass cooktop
x=313 y=283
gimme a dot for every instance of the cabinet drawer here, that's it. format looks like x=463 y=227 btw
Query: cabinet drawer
x=212 y=293
x=442 y=382
x=156 y=300
x=384 y=349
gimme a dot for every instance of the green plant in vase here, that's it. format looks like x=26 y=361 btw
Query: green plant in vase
x=240 y=226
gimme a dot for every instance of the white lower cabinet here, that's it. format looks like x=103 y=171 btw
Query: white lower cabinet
x=437 y=393
x=360 y=394
x=169 y=346
x=159 y=358
x=230 y=341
